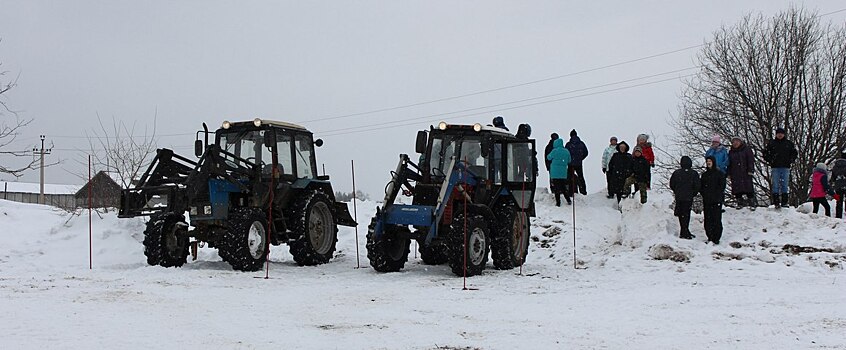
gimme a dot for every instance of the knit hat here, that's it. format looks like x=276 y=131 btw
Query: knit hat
x=716 y=139
x=613 y=138
x=554 y=136
x=779 y=130
x=637 y=149
x=822 y=166
x=642 y=137
x=573 y=133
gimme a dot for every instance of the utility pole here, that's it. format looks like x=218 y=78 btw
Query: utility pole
x=41 y=152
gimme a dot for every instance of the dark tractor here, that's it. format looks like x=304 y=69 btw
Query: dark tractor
x=256 y=185
x=471 y=192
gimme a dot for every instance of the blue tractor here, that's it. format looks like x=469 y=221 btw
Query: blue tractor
x=256 y=185
x=471 y=192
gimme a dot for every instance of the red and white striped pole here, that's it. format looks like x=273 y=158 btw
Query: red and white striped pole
x=355 y=215
x=90 y=230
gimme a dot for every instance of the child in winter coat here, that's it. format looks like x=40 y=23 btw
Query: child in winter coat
x=560 y=160
x=838 y=182
x=620 y=168
x=713 y=187
x=820 y=188
x=641 y=174
x=685 y=185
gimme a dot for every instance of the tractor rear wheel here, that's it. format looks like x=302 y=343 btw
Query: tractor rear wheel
x=166 y=241
x=511 y=245
x=468 y=251
x=388 y=252
x=314 y=230
x=244 y=245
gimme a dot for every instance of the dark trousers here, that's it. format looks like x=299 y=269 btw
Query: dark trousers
x=683 y=212
x=608 y=182
x=578 y=178
x=821 y=201
x=561 y=186
x=713 y=221
x=838 y=207
x=749 y=201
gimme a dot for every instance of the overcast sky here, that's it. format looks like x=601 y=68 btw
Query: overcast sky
x=300 y=61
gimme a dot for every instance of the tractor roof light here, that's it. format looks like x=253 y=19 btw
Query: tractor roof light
x=226 y=124
x=477 y=127
x=257 y=122
x=442 y=125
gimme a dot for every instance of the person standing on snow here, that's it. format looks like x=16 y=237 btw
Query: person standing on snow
x=685 y=185
x=646 y=148
x=713 y=188
x=780 y=154
x=838 y=183
x=720 y=154
x=741 y=168
x=619 y=169
x=820 y=188
x=546 y=152
x=606 y=158
x=641 y=175
x=578 y=152
x=560 y=161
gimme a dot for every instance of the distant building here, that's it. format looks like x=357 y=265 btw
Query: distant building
x=62 y=196
x=104 y=189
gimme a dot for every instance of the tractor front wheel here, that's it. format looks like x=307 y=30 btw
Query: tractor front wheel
x=469 y=244
x=166 y=241
x=244 y=245
x=388 y=252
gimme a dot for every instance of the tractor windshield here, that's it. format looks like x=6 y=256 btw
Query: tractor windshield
x=466 y=149
x=247 y=145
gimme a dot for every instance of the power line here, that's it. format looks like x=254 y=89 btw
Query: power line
x=373 y=127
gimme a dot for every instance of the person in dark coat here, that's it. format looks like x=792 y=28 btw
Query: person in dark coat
x=620 y=168
x=838 y=183
x=578 y=150
x=713 y=187
x=499 y=123
x=560 y=158
x=641 y=174
x=780 y=154
x=685 y=185
x=740 y=171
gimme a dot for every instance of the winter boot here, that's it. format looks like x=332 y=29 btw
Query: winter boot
x=784 y=197
x=776 y=200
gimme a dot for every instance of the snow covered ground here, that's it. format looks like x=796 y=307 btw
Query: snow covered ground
x=746 y=293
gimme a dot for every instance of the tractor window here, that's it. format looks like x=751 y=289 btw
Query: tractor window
x=440 y=155
x=305 y=157
x=247 y=145
x=520 y=163
x=283 y=151
x=471 y=153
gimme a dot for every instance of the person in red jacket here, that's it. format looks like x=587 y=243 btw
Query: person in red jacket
x=820 y=188
x=646 y=148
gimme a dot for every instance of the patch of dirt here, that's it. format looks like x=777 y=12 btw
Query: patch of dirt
x=728 y=256
x=797 y=249
x=666 y=252
x=552 y=232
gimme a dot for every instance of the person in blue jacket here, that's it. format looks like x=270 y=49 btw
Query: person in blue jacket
x=719 y=153
x=578 y=153
x=560 y=161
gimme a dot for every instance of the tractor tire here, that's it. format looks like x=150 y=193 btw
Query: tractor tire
x=468 y=254
x=511 y=244
x=314 y=230
x=390 y=251
x=434 y=253
x=166 y=241
x=244 y=245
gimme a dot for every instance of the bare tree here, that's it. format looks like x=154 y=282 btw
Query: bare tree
x=117 y=150
x=10 y=129
x=762 y=73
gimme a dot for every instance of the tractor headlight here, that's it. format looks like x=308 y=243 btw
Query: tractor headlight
x=442 y=125
x=257 y=122
x=207 y=210
x=477 y=127
x=226 y=124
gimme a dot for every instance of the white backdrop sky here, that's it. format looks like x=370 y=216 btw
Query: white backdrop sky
x=196 y=61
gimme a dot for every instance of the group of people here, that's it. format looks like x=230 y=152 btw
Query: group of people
x=628 y=173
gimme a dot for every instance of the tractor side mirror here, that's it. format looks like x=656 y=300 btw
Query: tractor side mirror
x=268 y=138
x=318 y=142
x=420 y=145
x=198 y=148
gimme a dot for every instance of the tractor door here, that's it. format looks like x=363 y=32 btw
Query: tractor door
x=519 y=171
